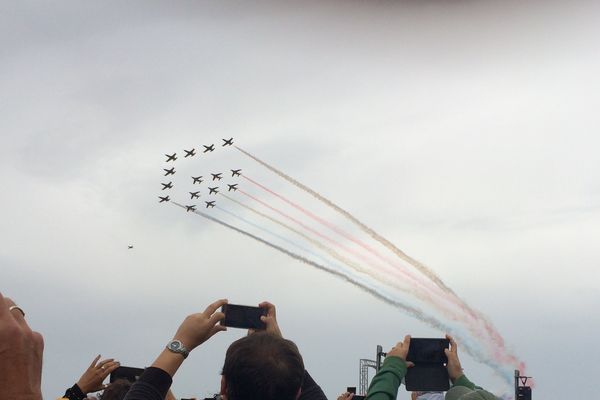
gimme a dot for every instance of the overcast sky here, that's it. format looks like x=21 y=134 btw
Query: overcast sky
x=464 y=132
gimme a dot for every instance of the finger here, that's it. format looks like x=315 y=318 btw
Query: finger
x=16 y=314
x=215 y=306
x=110 y=369
x=216 y=317
x=3 y=310
x=406 y=341
x=104 y=362
x=453 y=345
x=269 y=306
x=93 y=364
x=410 y=364
x=217 y=328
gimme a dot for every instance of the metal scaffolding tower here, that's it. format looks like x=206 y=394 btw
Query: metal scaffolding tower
x=363 y=370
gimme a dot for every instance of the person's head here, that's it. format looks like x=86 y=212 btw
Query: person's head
x=116 y=390
x=262 y=366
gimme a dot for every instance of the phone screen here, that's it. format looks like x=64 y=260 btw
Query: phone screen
x=130 y=373
x=428 y=351
x=247 y=317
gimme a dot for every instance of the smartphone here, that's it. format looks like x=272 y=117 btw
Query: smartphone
x=430 y=351
x=130 y=373
x=247 y=317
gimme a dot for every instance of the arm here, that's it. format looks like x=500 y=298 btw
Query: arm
x=455 y=370
x=385 y=383
x=193 y=331
x=21 y=351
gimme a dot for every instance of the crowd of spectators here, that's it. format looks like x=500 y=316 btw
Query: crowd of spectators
x=262 y=365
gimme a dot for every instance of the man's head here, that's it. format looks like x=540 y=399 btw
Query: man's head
x=262 y=366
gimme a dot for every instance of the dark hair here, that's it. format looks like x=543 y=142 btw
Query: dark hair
x=116 y=390
x=262 y=366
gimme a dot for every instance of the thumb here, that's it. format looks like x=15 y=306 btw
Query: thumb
x=447 y=352
x=410 y=364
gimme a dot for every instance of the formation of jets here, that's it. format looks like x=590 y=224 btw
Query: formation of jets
x=197 y=179
x=130 y=246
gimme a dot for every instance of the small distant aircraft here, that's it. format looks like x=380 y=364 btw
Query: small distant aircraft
x=227 y=142
x=210 y=204
x=213 y=190
x=235 y=172
x=216 y=176
x=171 y=157
x=169 y=171
x=209 y=148
x=162 y=199
x=232 y=187
x=194 y=195
x=197 y=179
x=167 y=185
x=130 y=246
x=189 y=153
x=190 y=208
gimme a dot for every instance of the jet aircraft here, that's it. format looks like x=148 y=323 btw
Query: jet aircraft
x=232 y=187
x=209 y=148
x=235 y=172
x=162 y=199
x=167 y=185
x=190 y=208
x=216 y=176
x=210 y=204
x=169 y=171
x=189 y=153
x=194 y=195
x=130 y=246
x=213 y=190
x=227 y=142
x=197 y=179
x=171 y=157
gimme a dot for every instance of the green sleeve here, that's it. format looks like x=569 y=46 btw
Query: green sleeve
x=385 y=383
x=464 y=381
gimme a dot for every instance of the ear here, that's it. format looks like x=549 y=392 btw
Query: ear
x=223 y=392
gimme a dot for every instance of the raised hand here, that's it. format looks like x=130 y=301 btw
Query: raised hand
x=455 y=370
x=97 y=372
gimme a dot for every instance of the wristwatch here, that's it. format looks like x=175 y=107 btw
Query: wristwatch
x=177 y=347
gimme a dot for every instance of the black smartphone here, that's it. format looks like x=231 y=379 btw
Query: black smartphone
x=130 y=373
x=428 y=351
x=429 y=373
x=351 y=389
x=247 y=317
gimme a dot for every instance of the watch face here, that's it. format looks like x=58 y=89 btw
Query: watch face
x=175 y=345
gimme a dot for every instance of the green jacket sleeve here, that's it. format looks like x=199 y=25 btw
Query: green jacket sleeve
x=385 y=383
x=464 y=381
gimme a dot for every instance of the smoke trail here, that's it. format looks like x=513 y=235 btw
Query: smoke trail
x=412 y=311
x=490 y=328
x=339 y=257
x=424 y=269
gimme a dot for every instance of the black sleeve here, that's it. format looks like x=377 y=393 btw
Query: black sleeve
x=75 y=393
x=152 y=385
x=310 y=389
